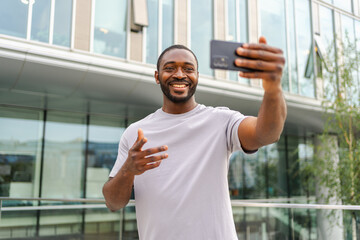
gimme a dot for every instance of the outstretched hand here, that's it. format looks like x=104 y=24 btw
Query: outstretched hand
x=139 y=160
x=267 y=61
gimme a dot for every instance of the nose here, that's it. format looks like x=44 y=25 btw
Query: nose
x=179 y=73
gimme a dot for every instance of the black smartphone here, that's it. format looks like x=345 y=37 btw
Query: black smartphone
x=223 y=55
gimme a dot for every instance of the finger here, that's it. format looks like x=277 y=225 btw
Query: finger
x=140 y=141
x=152 y=165
x=156 y=158
x=273 y=76
x=262 y=39
x=260 y=54
x=261 y=46
x=154 y=150
x=259 y=65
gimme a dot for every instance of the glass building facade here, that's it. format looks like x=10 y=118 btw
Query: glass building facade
x=58 y=151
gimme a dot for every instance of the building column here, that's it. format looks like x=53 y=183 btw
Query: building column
x=329 y=225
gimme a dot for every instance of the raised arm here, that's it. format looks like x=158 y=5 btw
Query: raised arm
x=117 y=190
x=266 y=128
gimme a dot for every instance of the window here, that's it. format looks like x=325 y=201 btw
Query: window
x=161 y=14
x=237 y=28
x=20 y=152
x=110 y=25
x=13 y=18
x=273 y=19
x=152 y=32
x=304 y=51
x=202 y=32
x=65 y=139
x=104 y=136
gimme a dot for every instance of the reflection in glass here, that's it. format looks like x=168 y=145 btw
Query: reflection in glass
x=64 y=155
x=13 y=18
x=343 y=4
x=237 y=31
x=292 y=48
x=348 y=39
x=20 y=145
x=20 y=156
x=305 y=54
x=40 y=23
x=62 y=23
x=167 y=23
x=110 y=27
x=273 y=14
x=327 y=40
x=104 y=136
x=202 y=32
x=152 y=32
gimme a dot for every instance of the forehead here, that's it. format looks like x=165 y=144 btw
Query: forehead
x=178 y=56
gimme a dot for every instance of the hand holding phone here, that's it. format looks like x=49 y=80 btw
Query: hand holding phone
x=223 y=55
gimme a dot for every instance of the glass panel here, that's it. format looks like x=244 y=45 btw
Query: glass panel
x=110 y=27
x=40 y=20
x=104 y=137
x=13 y=18
x=273 y=14
x=292 y=49
x=237 y=10
x=357 y=35
x=20 y=147
x=348 y=39
x=202 y=32
x=167 y=23
x=152 y=32
x=327 y=40
x=64 y=155
x=343 y=4
x=20 y=157
x=62 y=23
x=304 y=42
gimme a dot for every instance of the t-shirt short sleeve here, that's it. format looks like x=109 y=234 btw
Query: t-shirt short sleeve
x=233 y=142
x=121 y=157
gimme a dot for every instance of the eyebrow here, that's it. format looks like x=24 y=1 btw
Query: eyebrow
x=172 y=62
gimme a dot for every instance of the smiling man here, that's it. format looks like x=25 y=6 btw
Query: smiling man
x=177 y=157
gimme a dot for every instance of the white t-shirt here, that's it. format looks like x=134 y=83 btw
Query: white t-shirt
x=187 y=196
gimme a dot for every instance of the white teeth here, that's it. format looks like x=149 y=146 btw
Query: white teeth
x=179 y=86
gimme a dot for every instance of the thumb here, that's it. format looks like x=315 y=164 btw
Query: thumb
x=262 y=39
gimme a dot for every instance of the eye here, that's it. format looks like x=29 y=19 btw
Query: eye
x=189 y=69
x=169 y=68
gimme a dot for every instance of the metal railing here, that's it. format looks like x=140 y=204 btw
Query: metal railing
x=252 y=217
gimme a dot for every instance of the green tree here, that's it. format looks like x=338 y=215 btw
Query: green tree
x=341 y=103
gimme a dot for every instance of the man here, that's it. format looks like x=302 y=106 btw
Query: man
x=179 y=170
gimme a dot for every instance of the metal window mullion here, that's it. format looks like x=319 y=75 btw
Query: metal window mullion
x=160 y=21
x=72 y=43
x=28 y=27
x=237 y=28
x=128 y=33
x=92 y=25
x=175 y=21
x=52 y=16
x=287 y=29
x=313 y=47
x=226 y=19
x=214 y=18
x=296 y=47
x=144 y=53
x=188 y=23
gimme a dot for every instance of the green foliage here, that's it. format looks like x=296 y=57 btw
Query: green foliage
x=341 y=103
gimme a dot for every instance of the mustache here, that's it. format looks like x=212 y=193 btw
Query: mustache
x=179 y=81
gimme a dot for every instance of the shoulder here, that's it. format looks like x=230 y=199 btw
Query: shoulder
x=220 y=111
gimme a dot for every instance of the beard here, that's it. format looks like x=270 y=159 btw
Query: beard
x=175 y=99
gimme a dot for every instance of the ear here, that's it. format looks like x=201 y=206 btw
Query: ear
x=156 y=75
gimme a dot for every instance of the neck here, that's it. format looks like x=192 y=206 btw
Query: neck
x=178 y=108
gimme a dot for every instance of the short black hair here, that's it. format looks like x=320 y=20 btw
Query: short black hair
x=176 y=46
